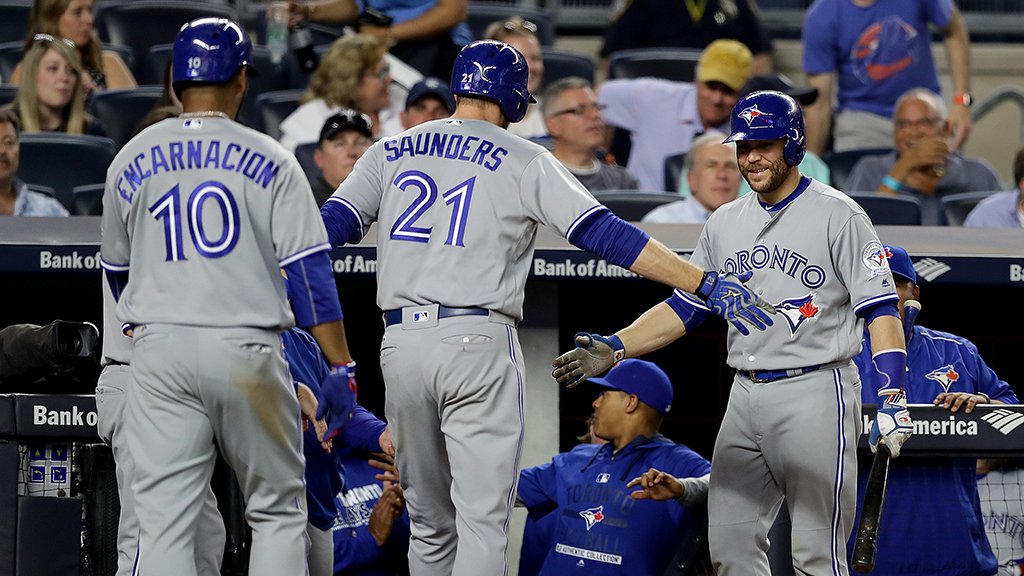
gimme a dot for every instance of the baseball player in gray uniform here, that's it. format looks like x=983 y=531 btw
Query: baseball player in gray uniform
x=791 y=427
x=457 y=204
x=200 y=216
x=114 y=381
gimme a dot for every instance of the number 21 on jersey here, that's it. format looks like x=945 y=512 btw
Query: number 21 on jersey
x=167 y=209
x=457 y=199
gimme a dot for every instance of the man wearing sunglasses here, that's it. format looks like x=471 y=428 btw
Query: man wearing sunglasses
x=573 y=119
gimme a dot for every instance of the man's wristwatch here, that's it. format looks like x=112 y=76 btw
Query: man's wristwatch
x=963 y=99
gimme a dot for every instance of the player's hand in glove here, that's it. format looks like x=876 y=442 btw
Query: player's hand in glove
x=728 y=297
x=593 y=355
x=892 y=425
x=338 y=398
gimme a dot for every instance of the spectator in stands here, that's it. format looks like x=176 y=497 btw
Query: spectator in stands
x=51 y=99
x=1002 y=209
x=353 y=74
x=714 y=179
x=924 y=164
x=664 y=117
x=522 y=35
x=73 y=19
x=15 y=197
x=429 y=99
x=588 y=487
x=879 y=50
x=945 y=370
x=371 y=533
x=426 y=34
x=665 y=23
x=573 y=119
x=343 y=140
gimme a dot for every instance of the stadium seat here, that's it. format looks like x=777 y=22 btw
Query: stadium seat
x=886 y=210
x=272 y=108
x=677 y=64
x=14 y=20
x=304 y=154
x=143 y=23
x=633 y=205
x=10 y=55
x=120 y=111
x=7 y=94
x=954 y=208
x=87 y=200
x=482 y=14
x=63 y=161
x=841 y=163
x=272 y=77
x=673 y=169
x=560 y=64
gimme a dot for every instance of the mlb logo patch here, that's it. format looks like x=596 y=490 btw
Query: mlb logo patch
x=603 y=478
x=193 y=124
x=420 y=316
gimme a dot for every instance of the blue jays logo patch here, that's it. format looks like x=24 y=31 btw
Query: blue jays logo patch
x=593 y=516
x=796 y=311
x=875 y=258
x=945 y=376
x=754 y=116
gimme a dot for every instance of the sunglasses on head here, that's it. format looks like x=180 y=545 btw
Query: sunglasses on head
x=513 y=25
x=51 y=39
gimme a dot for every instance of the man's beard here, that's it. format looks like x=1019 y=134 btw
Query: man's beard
x=778 y=171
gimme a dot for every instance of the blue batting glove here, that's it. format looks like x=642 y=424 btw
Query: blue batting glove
x=893 y=424
x=337 y=398
x=728 y=297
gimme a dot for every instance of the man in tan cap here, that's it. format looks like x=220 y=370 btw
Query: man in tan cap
x=663 y=117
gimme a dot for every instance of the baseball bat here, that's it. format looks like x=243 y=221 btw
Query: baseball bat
x=866 y=545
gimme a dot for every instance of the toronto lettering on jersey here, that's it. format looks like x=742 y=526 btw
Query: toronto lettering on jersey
x=593 y=268
x=1012 y=526
x=451 y=146
x=74 y=261
x=195 y=155
x=43 y=416
x=789 y=262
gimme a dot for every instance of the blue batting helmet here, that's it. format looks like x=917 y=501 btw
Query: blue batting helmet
x=209 y=50
x=496 y=71
x=770 y=115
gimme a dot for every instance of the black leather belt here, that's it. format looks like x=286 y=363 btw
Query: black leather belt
x=764 y=376
x=395 y=316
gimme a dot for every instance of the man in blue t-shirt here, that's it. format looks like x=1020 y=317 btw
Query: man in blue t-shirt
x=601 y=526
x=933 y=513
x=879 y=50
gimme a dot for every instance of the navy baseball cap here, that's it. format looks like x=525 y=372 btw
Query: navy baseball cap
x=346 y=119
x=650 y=383
x=900 y=264
x=431 y=87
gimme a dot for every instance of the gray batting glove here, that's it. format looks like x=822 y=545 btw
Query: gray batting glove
x=594 y=354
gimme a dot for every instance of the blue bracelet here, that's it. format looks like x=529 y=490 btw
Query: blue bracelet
x=892 y=184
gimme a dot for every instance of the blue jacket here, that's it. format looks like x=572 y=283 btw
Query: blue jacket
x=356 y=553
x=600 y=528
x=933 y=511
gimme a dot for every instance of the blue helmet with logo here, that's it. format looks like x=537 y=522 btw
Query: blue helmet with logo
x=770 y=115
x=496 y=71
x=209 y=50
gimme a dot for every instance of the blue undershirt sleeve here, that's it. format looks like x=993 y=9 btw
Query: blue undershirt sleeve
x=887 y=308
x=118 y=280
x=342 y=224
x=689 y=311
x=312 y=290
x=610 y=237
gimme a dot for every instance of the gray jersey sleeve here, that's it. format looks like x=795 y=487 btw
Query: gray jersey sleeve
x=553 y=196
x=861 y=263
x=363 y=189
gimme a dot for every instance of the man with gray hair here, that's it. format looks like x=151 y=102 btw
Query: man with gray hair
x=15 y=197
x=714 y=179
x=573 y=119
x=924 y=164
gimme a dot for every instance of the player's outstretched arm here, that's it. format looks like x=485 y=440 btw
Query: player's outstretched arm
x=594 y=354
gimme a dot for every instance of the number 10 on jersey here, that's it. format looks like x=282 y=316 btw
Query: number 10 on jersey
x=167 y=208
x=457 y=198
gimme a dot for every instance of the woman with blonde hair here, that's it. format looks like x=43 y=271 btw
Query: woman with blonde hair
x=73 y=19
x=522 y=35
x=353 y=74
x=50 y=98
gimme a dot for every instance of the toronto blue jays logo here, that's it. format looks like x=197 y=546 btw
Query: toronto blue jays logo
x=946 y=376
x=593 y=516
x=796 y=311
x=875 y=258
x=483 y=70
x=752 y=114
